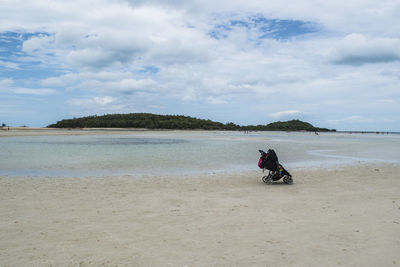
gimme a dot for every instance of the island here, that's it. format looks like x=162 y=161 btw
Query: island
x=177 y=122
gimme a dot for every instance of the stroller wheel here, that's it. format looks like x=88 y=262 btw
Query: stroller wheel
x=268 y=179
x=287 y=179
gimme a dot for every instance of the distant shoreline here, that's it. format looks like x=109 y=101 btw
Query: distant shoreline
x=26 y=131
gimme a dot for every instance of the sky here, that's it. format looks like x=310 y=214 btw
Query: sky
x=335 y=64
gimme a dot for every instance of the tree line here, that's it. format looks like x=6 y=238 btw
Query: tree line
x=155 y=121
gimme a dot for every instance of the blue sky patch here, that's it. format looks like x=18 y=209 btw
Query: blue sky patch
x=11 y=43
x=149 y=70
x=17 y=64
x=266 y=28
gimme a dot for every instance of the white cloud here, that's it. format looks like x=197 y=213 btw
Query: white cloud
x=40 y=42
x=31 y=91
x=9 y=65
x=356 y=118
x=7 y=86
x=92 y=58
x=119 y=84
x=387 y=101
x=285 y=114
x=356 y=49
x=216 y=101
x=103 y=100
x=101 y=104
x=6 y=83
x=352 y=119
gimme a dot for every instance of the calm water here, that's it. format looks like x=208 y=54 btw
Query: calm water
x=186 y=153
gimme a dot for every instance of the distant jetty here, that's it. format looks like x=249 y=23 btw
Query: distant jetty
x=368 y=132
x=177 y=122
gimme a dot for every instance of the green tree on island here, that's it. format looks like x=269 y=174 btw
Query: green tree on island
x=155 y=121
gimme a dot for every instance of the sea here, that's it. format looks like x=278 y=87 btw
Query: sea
x=187 y=153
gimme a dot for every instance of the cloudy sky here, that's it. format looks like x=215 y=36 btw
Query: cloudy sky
x=335 y=64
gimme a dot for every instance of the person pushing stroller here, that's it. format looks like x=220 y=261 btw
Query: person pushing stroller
x=269 y=160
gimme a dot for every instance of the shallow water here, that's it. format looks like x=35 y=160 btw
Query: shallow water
x=186 y=153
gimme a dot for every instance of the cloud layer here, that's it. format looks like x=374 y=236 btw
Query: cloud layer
x=331 y=63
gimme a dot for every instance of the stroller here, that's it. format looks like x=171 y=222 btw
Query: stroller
x=269 y=160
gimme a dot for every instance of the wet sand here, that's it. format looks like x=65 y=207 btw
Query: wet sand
x=336 y=217
x=28 y=131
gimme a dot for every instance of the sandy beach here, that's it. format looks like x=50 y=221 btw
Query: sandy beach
x=335 y=217
x=30 y=131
